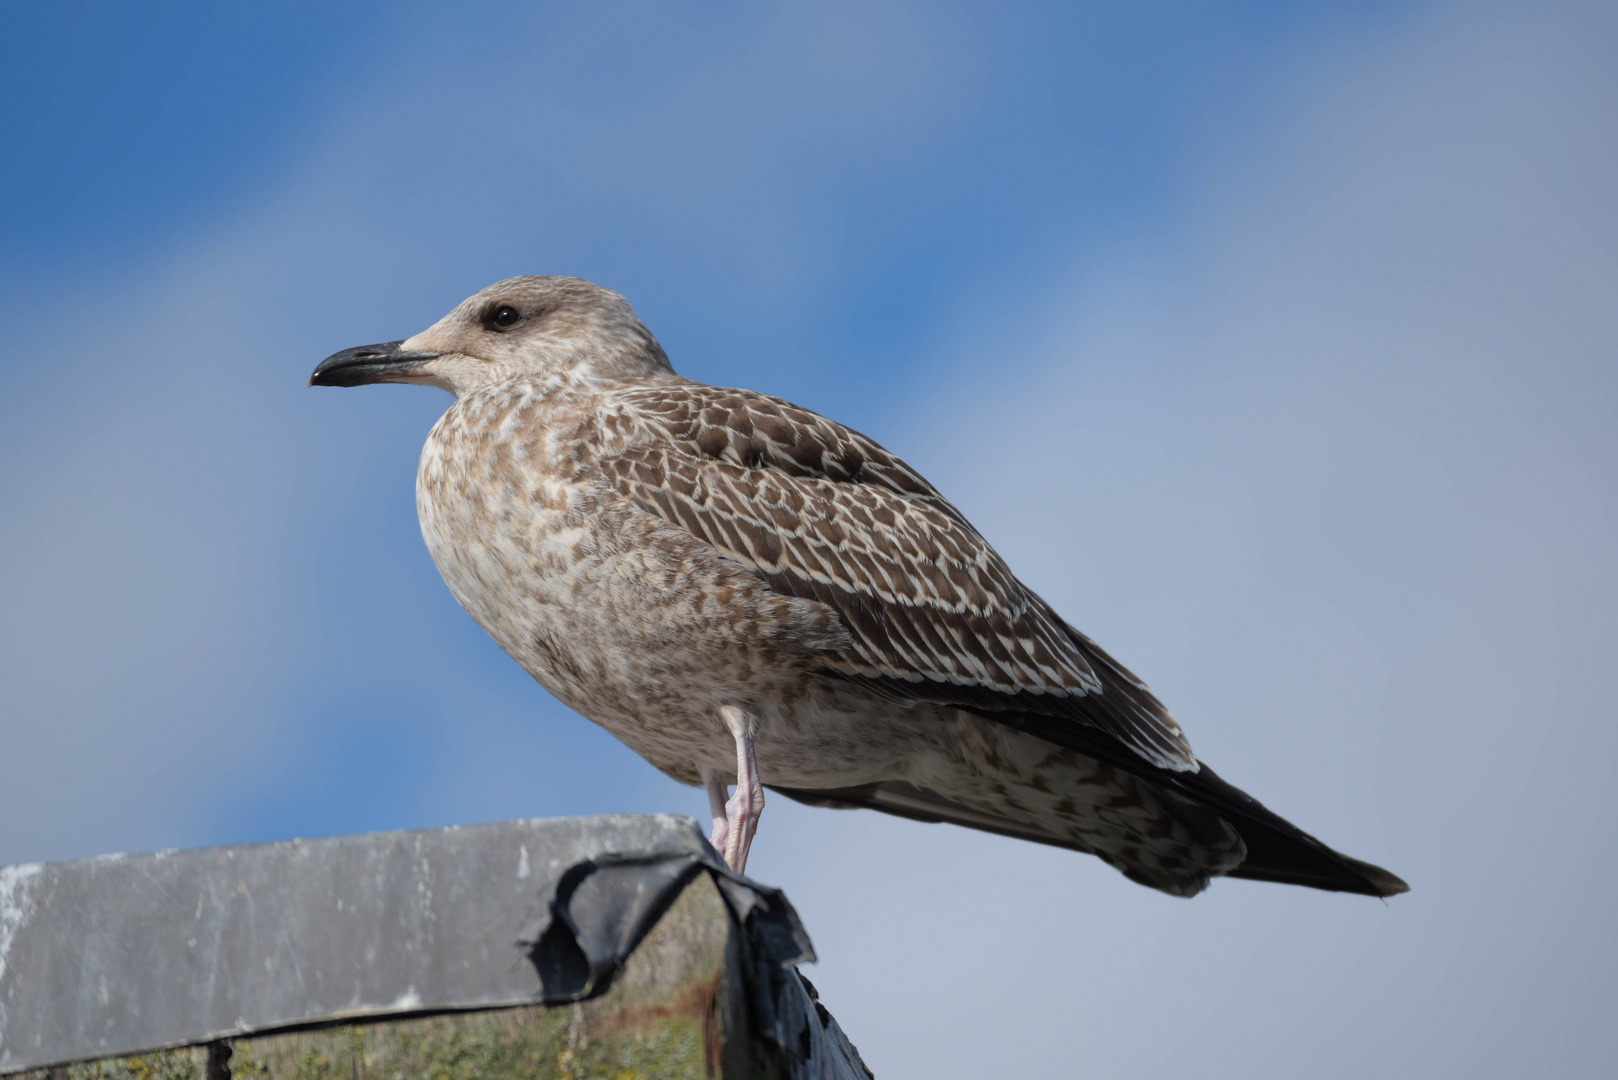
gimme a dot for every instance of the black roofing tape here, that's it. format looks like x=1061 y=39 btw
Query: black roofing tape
x=602 y=907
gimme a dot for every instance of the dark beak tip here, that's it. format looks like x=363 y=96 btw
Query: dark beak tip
x=369 y=364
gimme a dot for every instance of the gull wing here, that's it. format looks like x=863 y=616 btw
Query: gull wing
x=823 y=513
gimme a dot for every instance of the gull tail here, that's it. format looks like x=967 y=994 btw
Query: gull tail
x=1192 y=815
x=1277 y=850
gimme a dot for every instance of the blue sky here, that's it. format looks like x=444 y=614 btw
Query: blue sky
x=1303 y=306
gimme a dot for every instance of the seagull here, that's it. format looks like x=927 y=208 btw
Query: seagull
x=747 y=593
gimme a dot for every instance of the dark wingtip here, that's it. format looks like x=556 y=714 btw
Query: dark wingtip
x=1385 y=883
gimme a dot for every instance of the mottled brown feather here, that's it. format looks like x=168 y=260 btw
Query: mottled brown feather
x=823 y=513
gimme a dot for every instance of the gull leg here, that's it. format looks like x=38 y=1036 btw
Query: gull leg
x=717 y=791
x=747 y=805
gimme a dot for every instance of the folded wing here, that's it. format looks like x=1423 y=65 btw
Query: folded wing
x=823 y=513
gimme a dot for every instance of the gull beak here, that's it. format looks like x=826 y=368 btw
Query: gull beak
x=372 y=364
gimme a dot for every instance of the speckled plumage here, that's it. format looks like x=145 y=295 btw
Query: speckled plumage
x=679 y=562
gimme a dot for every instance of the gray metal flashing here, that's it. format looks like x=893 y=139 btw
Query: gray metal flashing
x=124 y=954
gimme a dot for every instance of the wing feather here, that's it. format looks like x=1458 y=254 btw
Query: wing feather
x=823 y=513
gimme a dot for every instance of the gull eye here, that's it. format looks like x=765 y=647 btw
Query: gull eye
x=505 y=317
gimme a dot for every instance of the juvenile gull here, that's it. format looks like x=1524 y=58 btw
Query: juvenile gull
x=747 y=593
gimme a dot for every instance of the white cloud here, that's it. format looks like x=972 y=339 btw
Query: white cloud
x=1338 y=482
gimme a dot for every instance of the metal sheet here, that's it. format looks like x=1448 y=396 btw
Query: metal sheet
x=125 y=953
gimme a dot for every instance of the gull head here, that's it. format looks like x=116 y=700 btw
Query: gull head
x=523 y=327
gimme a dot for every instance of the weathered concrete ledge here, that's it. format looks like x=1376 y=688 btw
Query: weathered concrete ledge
x=615 y=946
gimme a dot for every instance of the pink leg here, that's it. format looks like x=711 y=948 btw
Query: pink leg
x=716 y=806
x=745 y=807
